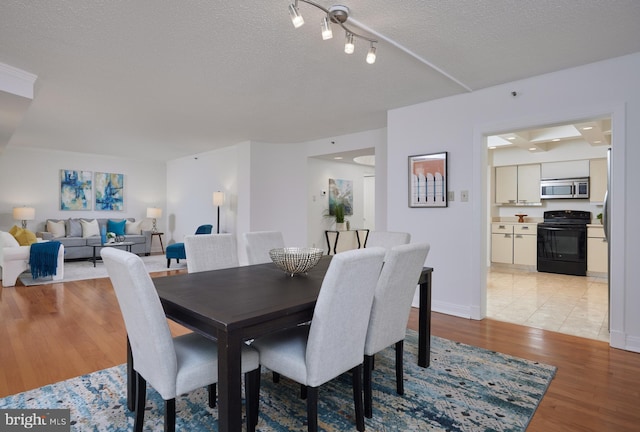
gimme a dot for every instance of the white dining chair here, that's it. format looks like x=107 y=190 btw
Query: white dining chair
x=334 y=341
x=173 y=366
x=210 y=252
x=390 y=310
x=387 y=239
x=259 y=243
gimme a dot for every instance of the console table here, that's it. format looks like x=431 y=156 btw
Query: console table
x=357 y=231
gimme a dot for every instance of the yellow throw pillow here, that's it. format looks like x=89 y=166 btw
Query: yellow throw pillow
x=23 y=236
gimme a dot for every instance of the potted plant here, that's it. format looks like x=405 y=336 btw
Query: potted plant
x=339 y=214
x=111 y=237
x=599 y=217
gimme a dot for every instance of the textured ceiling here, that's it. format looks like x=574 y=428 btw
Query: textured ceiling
x=164 y=79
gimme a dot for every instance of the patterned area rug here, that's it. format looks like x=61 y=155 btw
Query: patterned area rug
x=465 y=389
x=84 y=269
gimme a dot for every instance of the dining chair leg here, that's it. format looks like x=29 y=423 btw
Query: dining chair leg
x=276 y=377
x=368 y=393
x=252 y=398
x=168 y=262
x=170 y=415
x=303 y=391
x=399 y=367
x=312 y=409
x=356 y=374
x=212 y=389
x=141 y=398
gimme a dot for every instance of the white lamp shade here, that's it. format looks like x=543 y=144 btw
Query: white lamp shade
x=154 y=212
x=24 y=213
x=218 y=198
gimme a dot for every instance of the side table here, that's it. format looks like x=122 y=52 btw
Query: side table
x=159 y=234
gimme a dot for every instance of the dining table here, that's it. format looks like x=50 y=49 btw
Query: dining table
x=238 y=304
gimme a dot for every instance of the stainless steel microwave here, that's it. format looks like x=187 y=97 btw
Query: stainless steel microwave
x=564 y=188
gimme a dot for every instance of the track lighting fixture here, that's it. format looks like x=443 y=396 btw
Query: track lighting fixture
x=336 y=14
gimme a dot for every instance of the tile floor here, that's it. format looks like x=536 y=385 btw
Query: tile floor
x=575 y=305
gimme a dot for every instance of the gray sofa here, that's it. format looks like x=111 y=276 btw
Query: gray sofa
x=75 y=246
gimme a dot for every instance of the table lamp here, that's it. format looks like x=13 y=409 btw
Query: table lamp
x=218 y=200
x=155 y=213
x=24 y=214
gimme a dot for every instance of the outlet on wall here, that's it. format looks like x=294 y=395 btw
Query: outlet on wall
x=451 y=195
x=464 y=196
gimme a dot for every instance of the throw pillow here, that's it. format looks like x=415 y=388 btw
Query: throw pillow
x=133 y=228
x=90 y=228
x=8 y=240
x=57 y=229
x=116 y=227
x=23 y=236
x=74 y=228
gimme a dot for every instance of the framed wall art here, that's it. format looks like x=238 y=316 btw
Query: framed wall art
x=341 y=192
x=75 y=190
x=109 y=191
x=428 y=180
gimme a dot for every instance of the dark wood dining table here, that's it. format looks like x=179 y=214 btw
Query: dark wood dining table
x=237 y=304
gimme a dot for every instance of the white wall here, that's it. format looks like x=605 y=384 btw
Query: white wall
x=32 y=178
x=458 y=125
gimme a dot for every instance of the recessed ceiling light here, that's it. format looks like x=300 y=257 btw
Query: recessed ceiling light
x=597 y=142
x=338 y=157
x=492 y=148
x=365 y=160
x=532 y=149
x=555 y=139
x=587 y=128
x=511 y=138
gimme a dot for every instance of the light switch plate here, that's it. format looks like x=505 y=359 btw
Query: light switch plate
x=464 y=196
x=451 y=195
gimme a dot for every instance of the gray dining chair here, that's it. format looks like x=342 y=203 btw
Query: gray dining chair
x=259 y=243
x=390 y=310
x=387 y=239
x=172 y=366
x=334 y=341
x=210 y=252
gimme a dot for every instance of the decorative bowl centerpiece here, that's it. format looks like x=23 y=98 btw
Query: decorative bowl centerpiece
x=294 y=260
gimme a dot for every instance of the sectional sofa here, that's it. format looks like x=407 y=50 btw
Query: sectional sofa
x=78 y=245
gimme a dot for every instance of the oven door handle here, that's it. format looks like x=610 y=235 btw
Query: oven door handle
x=559 y=229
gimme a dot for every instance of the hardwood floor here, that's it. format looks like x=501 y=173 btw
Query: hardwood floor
x=54 y=332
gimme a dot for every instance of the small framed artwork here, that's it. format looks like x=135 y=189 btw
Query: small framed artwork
x=109 y=191
x=75 y=189
x=428 y=180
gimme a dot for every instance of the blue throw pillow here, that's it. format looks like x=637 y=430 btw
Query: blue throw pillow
x=116 y=227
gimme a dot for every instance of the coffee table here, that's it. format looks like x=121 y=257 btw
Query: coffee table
x=127 y=246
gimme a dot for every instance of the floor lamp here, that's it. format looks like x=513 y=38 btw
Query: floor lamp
x=218 y=200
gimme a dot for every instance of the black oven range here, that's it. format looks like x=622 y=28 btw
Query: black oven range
x=562 y=242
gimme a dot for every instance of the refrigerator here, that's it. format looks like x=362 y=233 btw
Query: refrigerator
x=606 y=223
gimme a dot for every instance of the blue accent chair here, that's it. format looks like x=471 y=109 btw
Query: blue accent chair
x=176 y=250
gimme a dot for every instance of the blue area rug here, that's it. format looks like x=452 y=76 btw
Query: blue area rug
x=465 y=389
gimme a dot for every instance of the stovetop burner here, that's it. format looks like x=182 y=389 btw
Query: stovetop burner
x=567 y=217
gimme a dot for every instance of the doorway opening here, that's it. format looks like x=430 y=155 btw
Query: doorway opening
x=516 y=292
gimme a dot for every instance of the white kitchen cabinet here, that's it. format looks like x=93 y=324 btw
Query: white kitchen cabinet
x=597 y=250
x=502 y=243
x=597 y=180
x=565 y=169
x=525 y=246
x=517 y=184
x=514 y=243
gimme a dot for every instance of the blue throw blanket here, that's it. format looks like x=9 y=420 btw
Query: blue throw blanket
x=43 y=258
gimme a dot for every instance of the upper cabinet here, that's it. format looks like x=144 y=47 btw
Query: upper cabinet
x=597 y=179
x=518 y=184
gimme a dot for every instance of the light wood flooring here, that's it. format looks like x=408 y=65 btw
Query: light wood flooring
x=54 y=332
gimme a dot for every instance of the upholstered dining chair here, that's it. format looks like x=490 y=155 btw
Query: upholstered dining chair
x=210 y=252
x=334 y=341
x=259 y=243
x=390 y=310
x=173 y=366
x=387 y=239
x=176 y=250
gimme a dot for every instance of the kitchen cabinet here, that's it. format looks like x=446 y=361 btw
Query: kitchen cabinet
x=565 y=169
x=514 y=243
x=517 y=184
x=597 y=180
x=502 y=243
x=597 y=250
x=525 y=246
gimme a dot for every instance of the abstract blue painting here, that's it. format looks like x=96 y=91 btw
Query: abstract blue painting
x=75 y=190
x=109 y=191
